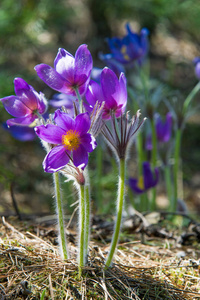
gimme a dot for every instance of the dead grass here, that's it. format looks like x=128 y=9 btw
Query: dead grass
x=30 y=268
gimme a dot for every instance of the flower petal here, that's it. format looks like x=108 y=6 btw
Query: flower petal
x=88 y=142
x=20 y=86
x=149 y=179
x=50 y=133
x=82 y=123
x=83 y=64
x=53 y=79
x=23 y=121
x=110 y=87
x=94 y=93
x=80 y=157
x=14 y=106
x=133 y=183
x=123 y=90
x=64 y=65
x=27 y=94
x=63 y=120
x=21 y=133
x=55 y=160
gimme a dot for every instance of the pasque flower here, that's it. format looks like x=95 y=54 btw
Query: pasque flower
x=26 y=105
x=163 y=127
x=148 y=179
x=111 y=90
x=69 y=72
x=70 y=140
x=163 y=130
x=132 y=47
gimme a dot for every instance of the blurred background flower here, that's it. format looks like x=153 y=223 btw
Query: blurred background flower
x=146 y=181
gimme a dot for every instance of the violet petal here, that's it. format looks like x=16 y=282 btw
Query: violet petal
x=64 y=121
x=55 y=160
x=50 y=133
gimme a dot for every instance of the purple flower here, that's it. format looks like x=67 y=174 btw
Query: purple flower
x=69 y=137
x=132 y=47
x=69 y=72
x=112 y=91
x=148 y=180
x=26 y=105
x=196 y=62
x=21 y=133
x=164 y=128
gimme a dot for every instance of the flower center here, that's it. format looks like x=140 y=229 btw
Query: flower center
x=140 y=183
x=124 y=53
x=71 y=140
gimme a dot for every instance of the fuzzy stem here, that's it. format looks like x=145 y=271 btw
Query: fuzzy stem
x=60 y=215
x=87 y=219
x=81 y=258
x=176 y=167
x=120 y=200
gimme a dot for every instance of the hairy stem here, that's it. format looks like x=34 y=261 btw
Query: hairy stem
x=176 y=167
x=87 y=219
x=60 y=216
x=120 y=200
x=81 y=257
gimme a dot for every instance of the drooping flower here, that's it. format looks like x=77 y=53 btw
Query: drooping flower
x=26 y=105
x=148 y=180
x=163 y=128
x=21 y=133
x=132 y=47
x=112 y=91
x=70 y=140
x=69 y=72
x=196 y=62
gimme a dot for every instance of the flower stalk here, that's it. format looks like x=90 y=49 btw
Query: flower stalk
x=87 y=219
x=81 y=256
x=61 y=228
x=176 y=167
x=120 y=201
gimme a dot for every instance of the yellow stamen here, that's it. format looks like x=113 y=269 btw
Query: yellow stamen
x=140 y=183
x=124 y=52
x=71 y=140
x=123 y=49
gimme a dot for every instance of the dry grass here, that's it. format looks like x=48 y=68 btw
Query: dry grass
x=30 y=268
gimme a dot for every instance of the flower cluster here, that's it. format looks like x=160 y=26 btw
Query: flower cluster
x=88 y=108
x=91 y=102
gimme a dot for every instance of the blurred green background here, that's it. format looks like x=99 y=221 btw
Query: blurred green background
x=31 y=32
